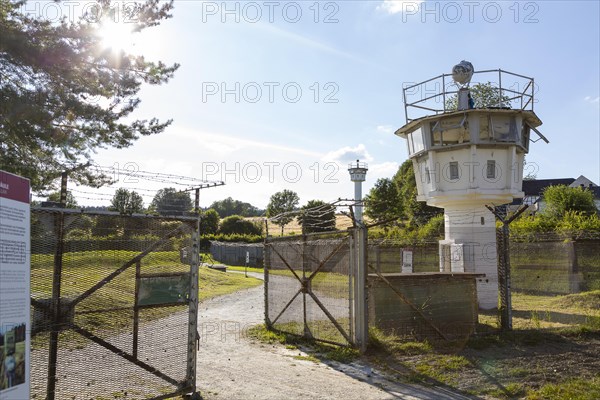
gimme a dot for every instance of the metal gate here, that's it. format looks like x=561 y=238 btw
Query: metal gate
x=114 y=305
x=309 y=286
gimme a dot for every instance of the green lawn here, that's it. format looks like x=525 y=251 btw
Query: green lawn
x=82 y=270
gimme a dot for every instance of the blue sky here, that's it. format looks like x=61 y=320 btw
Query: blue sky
x=313 y=85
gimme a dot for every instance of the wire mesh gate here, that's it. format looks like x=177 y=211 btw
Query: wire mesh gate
x=114 y=305
x=309 y=286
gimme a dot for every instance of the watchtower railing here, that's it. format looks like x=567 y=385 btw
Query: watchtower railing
x=435 y=95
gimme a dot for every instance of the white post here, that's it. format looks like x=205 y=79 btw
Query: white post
x=358 y=174
x=358 y=199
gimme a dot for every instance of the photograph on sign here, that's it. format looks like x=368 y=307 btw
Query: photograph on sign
x=12 y=356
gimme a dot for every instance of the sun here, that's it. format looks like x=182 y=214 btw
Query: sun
x=117 y=36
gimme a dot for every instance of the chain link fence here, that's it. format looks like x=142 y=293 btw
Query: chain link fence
x=555 y=281
x=308 y=282
x=113 y=299
x=409 y=297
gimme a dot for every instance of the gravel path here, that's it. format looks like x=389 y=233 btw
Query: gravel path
x=233 y=366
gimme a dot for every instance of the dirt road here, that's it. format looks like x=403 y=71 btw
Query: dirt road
x=233 y=366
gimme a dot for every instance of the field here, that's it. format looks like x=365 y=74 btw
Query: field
x=342 y=222
x=81 y=270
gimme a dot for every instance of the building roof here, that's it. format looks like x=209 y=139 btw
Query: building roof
x=535 y=187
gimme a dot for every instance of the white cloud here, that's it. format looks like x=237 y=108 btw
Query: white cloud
x=387 y=129
x=315 y=44
x=592 y=100
x=385 y=169
x=223 y=144
x=399 y=6
x=348 y=154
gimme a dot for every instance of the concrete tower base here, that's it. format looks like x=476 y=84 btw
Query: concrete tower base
x=472 y=249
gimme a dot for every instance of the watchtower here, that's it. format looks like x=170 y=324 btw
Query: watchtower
x=358 y=174
x=467 y=145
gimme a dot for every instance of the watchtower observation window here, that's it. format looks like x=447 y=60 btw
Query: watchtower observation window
x=450 y=131
x=415 y=141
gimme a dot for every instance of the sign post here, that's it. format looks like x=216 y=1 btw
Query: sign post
x=15 y=282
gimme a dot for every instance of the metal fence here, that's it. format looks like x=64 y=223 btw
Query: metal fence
x=309 y=286
x=554 y=284
x=113 y=305
x=408 y=296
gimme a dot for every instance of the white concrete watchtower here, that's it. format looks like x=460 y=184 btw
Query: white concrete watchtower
x=467 y=145
x=358 y=174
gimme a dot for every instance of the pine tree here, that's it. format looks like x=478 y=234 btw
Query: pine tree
x=63 y=96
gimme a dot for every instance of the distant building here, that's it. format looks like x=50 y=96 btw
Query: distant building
x=534 y=190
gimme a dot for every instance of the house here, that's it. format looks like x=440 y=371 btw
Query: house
x=534 y=189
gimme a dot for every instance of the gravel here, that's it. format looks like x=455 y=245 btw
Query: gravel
x=232 y=365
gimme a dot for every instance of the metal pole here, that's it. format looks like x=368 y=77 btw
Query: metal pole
x=136 y=309
x=506 y=302
x=532 y=93
x=304 y=283
x=56 y=289
x=63 y=189
x=360 y=308
x=444 y=92
x=192 y=350
x=500 y=102
x=504 y=269
x=266 y=267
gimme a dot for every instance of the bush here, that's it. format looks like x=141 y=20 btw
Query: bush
x=528 y=227
x=432 y=230
x=236 y=224
x=572 y=224
x=577 y=224
x=562 y=199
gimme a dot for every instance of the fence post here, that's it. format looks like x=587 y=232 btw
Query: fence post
x=56 y=289
x=504 y=268
x=505 y=295
x=266 y=267
x=361 y=328
x=305 y=265
x=193 y=335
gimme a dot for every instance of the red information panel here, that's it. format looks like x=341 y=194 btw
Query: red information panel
x=15 y=272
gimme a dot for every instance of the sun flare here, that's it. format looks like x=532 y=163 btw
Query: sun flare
x=117 y=36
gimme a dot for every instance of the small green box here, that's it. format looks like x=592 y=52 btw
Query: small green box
x=163 y=289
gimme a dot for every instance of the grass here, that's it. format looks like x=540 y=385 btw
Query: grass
x=548 y=331
x=394 y=344
x=214 y=283
x=494 y=365
x=565 y=313
x=316 y=350
x=440 y=367
x=572 y=389
x=82 y=270
x=249 y=269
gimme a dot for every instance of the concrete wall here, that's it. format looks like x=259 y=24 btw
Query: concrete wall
x=550 y=267
x=555 y=267
x=235 y=253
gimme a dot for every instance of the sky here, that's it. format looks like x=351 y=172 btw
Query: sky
x=280 y=95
